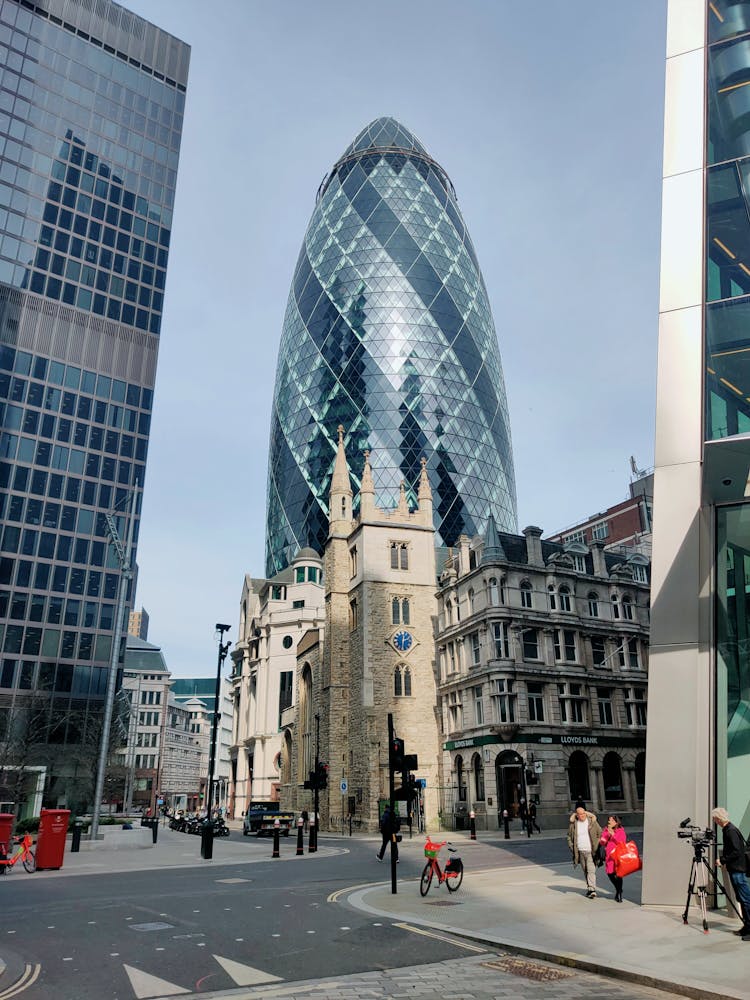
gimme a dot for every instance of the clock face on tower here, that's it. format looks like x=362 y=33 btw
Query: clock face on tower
x=402 y=641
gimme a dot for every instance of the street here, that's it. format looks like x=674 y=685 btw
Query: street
x=211 y=927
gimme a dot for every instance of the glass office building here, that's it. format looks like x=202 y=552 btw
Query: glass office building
x=388 y=331
x=91 y=109
x=699 y=676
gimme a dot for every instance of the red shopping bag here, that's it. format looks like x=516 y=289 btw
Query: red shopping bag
x=626 y=858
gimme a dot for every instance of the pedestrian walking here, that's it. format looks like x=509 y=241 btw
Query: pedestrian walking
x=305 y=819
x=612 y=835
x=523 y=812
x=584 y=834
x=732 y=858
x=389 y=825
x=532 y=817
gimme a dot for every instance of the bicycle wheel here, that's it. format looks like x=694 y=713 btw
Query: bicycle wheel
x=29 y=862
x=426 y=881
x=454 y=881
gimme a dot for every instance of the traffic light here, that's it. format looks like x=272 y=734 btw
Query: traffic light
x=396 y=755
x=322 y=775
x=531 y=777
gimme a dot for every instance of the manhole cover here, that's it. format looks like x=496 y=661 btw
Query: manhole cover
x=528 y=970
x=156 y=925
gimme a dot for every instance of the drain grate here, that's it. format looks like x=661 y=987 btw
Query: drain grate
x=528 y=970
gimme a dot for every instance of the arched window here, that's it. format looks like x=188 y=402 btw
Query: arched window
x=640 y=775
x=493 y=592
x=395 y=611
x=615 y=607
x=402 y=681
x=627 y=608
x=478 y=768
x=612 y=775
x=502 y=590
x=578 y=776
x=593 y=601
x=306 y=720
x=460 y=779
x=552 y=598
x=405 y=611
x=470 y=600
x=526 y=594
x=448 y=612
x=564 y=593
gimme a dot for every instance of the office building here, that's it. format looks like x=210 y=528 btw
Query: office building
x=698 y=747
x=91 y=111
x=138 y=624
x=388 y=331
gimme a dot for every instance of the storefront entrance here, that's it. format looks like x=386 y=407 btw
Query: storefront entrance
x=511 y=786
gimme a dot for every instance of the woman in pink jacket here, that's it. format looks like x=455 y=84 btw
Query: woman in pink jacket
x=612 y=835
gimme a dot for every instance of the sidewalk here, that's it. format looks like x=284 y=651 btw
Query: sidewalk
x=541 y=911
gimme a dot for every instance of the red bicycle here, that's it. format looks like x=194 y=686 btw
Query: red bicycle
x=452 y=874
x=23 y=854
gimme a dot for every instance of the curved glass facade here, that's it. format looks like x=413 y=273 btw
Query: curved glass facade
x=388 y=331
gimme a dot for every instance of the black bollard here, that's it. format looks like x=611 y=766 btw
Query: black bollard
x=207 y=840
x=313 y=845
x=75 y=844
x=472 y=826
x=506 y=824
x=300 y=837
x=276 y=853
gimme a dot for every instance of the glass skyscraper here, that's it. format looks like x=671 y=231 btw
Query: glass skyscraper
x=388 y=331
x=91 y=110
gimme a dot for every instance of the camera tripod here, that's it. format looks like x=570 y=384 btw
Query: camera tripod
x=698 y=885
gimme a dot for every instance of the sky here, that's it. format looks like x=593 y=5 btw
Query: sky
x=548 y=119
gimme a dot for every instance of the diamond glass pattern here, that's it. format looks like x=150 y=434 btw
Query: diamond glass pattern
x=388 y=331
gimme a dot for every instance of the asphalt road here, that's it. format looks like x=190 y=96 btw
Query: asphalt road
x=208 y=927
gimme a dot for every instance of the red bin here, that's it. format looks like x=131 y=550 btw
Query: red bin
x=6 y=825
x=50 y=845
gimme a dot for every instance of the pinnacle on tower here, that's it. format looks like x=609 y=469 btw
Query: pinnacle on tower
x=367 y=491
x=340 y=505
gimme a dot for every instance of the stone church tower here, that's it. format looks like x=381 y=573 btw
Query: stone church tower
x=377 y=654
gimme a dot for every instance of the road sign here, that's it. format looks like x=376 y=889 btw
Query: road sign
x=538 y=767
x=344 y=786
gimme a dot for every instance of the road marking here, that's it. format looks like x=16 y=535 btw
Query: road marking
x=245 y=975
x=344 y=928
x=28 y=978
x=441 y=937
x=335 y=896
x=145 y=985
x=11 y=932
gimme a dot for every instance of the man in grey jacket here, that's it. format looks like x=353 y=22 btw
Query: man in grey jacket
x=583 y=839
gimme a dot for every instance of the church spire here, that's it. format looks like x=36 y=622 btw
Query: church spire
x=493 y=548
x=340 y=497
x=424 y=496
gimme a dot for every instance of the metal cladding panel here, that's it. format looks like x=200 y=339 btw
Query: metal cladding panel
x=388 y=331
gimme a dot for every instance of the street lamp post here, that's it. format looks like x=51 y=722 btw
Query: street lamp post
x=207 y=832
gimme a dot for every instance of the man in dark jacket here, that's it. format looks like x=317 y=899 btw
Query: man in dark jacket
x=732 y=858
x=389 y=824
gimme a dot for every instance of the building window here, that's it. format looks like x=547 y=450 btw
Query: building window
x=627 y=608
x=478 y=768
x=593 y=605
x=299 y=574
x=571 y=703
x=579 y=562
x=504 y=698
x=493 y=592
x=565 y=645
x=552 y=599
x=639 y=573
x=633 y=658
x=399 y=555
x=530 y=643
x=312 y=574
x=635 y=706
x=402 y=681
x=353 y=614
x=575 y=536
x=400 y=611
x=475 y=649
x=298 y=604
x=604 y=698
x=278 y=593
x=287 y=642
x=470 y=601
x=460 y=779
x=448 y=612
x=564 y=594
x=452 y=657
x=526 y=598
x=535 y=696
x=612 y=775
x=502 y=645
x=455 y=711
x=600 y=530
x=353 y=561
x=615 y=607
x=598 y=651
x=478 y=706
x=620 y=651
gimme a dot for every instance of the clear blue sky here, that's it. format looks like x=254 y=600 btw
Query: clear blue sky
x=548 y=119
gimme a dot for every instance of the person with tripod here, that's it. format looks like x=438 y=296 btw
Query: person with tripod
x=732 y=858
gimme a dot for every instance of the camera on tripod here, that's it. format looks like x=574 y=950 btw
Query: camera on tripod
x=698 y=836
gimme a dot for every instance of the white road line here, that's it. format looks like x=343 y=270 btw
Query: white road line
x=245 y=975
x=145 y=985
x=442 y=937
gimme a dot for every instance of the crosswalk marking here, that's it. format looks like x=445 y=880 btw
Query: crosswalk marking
x=145 y=985
x=245 y=975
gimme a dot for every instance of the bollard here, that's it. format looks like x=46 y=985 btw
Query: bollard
x=154 y=824
x=207 y=840
x=472 y=826
x=75 y=844
x=276 y=826
x=506 y=824
x=313 y=845
x=300 y=837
